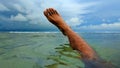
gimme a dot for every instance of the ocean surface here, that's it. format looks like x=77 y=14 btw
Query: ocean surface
x=51 y=50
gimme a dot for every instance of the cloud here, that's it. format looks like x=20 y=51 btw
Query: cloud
x=19 y=7
x=18 y=17
x=33 y=9
x=75 y=13
x=119 y=19
x=72 y=11
x=68 y=8
x=3 y=8
x=103 y=26
x=74 y=21
x=107 y=9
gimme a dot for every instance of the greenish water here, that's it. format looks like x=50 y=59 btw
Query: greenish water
x=51 y=50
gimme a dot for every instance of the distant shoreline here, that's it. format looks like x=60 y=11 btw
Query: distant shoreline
x=27 y=32
x=49 y=32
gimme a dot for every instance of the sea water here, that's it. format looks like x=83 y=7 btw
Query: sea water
x=51 y=50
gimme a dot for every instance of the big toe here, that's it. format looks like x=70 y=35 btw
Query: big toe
x=45 y=13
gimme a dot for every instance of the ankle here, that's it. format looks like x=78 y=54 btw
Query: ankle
x=64 y=28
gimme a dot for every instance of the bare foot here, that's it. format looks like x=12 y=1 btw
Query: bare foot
x=53 y=16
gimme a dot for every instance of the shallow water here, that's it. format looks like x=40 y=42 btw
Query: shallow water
x=51 y=50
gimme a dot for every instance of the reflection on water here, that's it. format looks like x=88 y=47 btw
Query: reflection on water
x=64 y=57
x=49 y=50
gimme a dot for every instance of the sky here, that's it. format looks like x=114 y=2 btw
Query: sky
x=80 y=15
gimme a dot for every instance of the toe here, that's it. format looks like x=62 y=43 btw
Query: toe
x=49 y=11
x=56 y=12
x=52 y=11
x=46 y=13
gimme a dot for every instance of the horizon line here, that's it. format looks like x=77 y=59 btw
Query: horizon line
x=52 y=32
